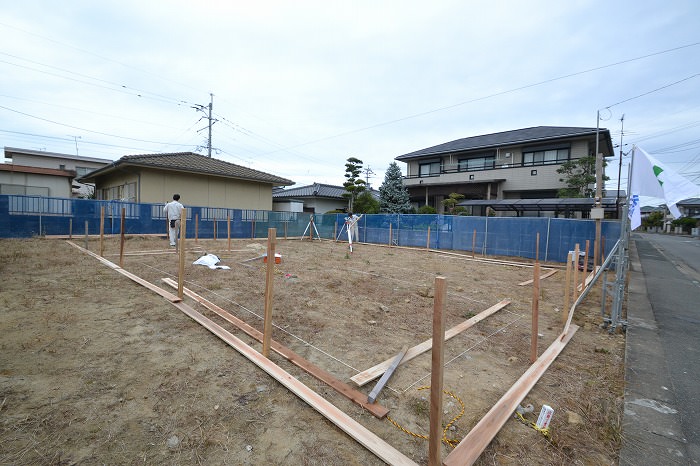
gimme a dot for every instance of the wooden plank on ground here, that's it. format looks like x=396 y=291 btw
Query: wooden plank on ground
x=387 y=375
x=471 y=447
x=357 y=431
x=167 y=295
x=373 y=372
x=354 y=429
x=542 y=277
x=588 y=280
x=341 y=387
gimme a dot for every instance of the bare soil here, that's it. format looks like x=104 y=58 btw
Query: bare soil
x=96 y=369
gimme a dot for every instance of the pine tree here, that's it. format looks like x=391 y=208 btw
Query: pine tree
x=393 y=195
x=354 y=184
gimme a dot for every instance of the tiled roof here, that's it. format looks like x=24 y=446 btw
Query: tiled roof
x=193 y=163
x=505 y=138
x=692 y=201
x=312 y=190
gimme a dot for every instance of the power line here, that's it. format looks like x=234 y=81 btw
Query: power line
x=655 y=90
x=496 y=94
x=83 y=129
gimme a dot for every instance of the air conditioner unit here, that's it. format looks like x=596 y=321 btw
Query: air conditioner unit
x=508 y=154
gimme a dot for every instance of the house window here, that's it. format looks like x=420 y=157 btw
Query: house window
x=546 y=157
x=484 y=162
x=429 y=169
x=82 y=171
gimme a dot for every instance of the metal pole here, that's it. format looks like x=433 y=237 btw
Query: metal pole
x=598 y=190
x=619 y=168
x=211 y=106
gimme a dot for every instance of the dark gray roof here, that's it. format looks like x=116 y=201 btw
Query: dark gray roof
x=312 y=190
x=537 y=134
x=190 y=162
x=693 y=201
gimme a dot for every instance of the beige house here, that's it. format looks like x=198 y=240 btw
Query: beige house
x=200 y=180
x=517 y=164
x=35 y=172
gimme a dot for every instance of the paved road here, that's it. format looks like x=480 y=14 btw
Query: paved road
x=662 y=399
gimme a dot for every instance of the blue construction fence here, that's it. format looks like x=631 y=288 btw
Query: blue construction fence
x=29 y=216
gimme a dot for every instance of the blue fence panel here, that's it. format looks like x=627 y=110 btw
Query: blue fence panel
x=26 y=216
x=463 y=238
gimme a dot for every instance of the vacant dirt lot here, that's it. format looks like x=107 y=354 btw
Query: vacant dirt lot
x=96 y=369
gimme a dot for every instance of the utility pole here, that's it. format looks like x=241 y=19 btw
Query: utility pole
x=211 y=106
x=212 y=120
x=368 y=171
x=619 y=168
x=76 y=143
x=597 y=212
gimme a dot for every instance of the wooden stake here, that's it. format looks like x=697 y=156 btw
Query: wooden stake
x=427 y=246
x=252 y=229
x=567 y=289
x=585 y=264
x=269 y=279
x=102 y=231
x=602 y=252
x=473 y=242
x=86 y=234
x=391 y=237
x=214 y=228
x=576 y=254
x=535 y=312
x=311 y=227
x=196 y=228
x=70 y=228
x=181 y=245
x=121 y=238
x=436 y=381
x=535 y=303
x=335 y=231
x=228 y=231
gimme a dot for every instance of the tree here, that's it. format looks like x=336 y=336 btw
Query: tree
x=579 y=176
x=451 y=204
x=654 y=219
x=686 y=223
x=366 y=203
x=354 y=185
x=393 y=195
x=426 y=209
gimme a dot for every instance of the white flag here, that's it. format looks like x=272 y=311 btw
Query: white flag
x=653 y=179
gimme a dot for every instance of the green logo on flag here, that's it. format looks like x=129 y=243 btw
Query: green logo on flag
x=657 y=172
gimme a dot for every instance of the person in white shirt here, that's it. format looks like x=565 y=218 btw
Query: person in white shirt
x=173 y=211
x=353 y=228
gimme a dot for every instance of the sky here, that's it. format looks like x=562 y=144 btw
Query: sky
x=298 y=87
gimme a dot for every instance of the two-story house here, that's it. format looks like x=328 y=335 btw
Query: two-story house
x=517 y=164
x=36 y=172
